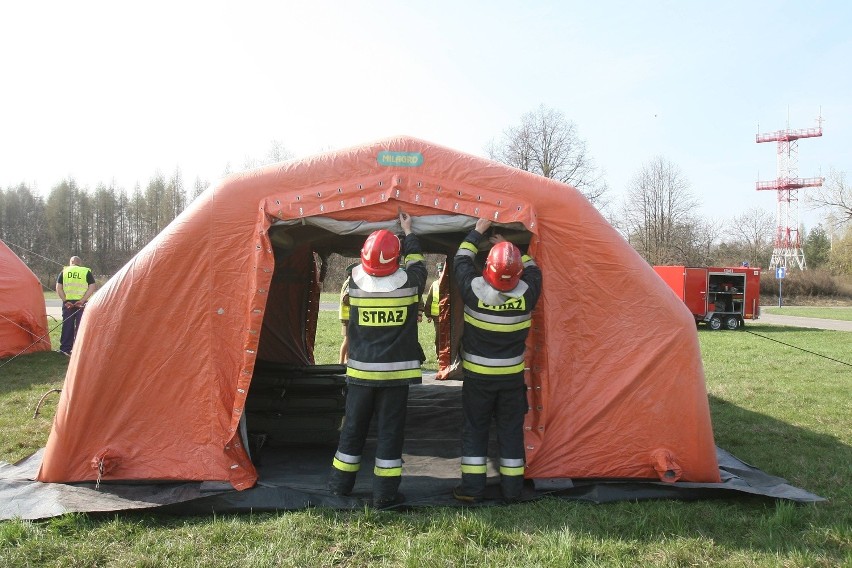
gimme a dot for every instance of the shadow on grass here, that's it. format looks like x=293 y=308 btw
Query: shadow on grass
x=816 y=462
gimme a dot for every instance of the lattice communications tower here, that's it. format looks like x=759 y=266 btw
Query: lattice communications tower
x=787 y=251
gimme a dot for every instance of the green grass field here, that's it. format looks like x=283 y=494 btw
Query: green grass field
x=838 y=313
x=777 y=407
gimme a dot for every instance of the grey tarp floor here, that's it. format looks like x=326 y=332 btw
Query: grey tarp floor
x=294 y=478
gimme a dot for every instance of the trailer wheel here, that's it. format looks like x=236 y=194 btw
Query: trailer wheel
x=732 y=322
x=715 y=323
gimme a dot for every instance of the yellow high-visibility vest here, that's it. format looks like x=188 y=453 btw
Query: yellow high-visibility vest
x=435 y=305
x=343 y=309
x=74 y=282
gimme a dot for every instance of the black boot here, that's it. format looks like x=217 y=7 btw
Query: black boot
x=511 y=486
x=385 y=491
x=341 y=482
x=472 y=488
x=389 y=502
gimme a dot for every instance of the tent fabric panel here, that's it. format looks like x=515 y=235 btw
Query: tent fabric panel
x=344 y=182
x=426 y=224
x=351 y=174
x=629 y=355
x=150 y=369
x=21 y=332
x=293 y=283
x=23 y=315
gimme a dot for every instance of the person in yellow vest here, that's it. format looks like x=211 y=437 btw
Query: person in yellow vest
x=74 y=286
x=432 y=305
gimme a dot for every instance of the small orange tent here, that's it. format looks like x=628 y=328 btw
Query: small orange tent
x=23 y=317
x=164 y=360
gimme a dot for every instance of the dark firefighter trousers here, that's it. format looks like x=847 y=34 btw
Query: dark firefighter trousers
x=389 y=405
x=506 y=402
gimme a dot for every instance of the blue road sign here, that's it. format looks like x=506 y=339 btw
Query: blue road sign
x=780 y=272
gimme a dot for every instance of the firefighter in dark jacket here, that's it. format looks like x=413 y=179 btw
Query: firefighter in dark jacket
x=498 y=305
x=384 y=359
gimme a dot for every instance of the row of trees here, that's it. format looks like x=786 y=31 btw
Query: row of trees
x=657 y=216
x=106 y=227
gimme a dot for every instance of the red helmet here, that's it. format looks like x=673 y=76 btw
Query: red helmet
x=503 y=266
x=379 y=255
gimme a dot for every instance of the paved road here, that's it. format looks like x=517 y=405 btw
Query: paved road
x=795 y=321
x=54 y=308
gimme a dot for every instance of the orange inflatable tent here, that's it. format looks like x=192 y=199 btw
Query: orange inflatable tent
x=164 y=361
x=23 y=317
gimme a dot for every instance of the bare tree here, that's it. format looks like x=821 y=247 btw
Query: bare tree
x=277 y=153
x=706 y=233
x=199 y=187
x=835 y=195
x=175 y=196
x=658 y=215
x=547 y=144
x=840 y=257
x=753 y=232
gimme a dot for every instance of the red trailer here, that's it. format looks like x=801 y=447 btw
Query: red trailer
x=720 y=297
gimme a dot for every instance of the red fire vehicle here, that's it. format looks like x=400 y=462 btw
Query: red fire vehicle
x=719 y=297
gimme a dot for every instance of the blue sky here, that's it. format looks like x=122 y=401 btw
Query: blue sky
x=106 y=90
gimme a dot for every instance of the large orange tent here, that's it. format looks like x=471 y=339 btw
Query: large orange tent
x=165 y=358
x=23 y=316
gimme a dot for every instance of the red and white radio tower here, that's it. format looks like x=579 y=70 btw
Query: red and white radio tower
x=788 y=245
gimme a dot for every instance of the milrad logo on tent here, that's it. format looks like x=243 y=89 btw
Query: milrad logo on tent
x=405 y=159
